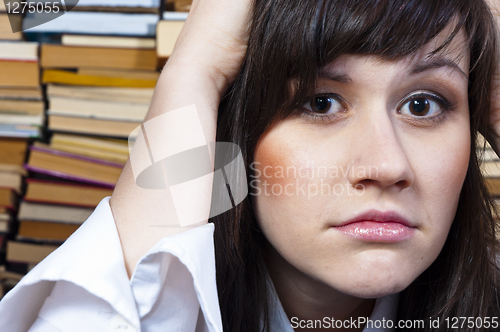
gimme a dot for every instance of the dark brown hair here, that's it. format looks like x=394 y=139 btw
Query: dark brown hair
x=290 y=41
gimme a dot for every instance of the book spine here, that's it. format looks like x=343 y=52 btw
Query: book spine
x=68 y=176
x=75 y=156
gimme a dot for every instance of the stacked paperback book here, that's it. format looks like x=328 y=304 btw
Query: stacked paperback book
x=68 y=178
x=99 y=66
x=21 y=118
x=12 y=158
x=21 y=100
x=72 y=89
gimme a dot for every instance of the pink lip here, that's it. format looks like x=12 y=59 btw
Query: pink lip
x=376 y=226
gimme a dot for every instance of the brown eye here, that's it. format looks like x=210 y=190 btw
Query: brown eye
x=423 y=106
x=324 y=104
x=419 y=106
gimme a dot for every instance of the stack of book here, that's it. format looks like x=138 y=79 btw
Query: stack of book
x=21 y=116
x=12 y=157
x=99 y=65
x=99 y=52
x=21 y=100
x=68 y=178
x=53 y=209
x=84 y=159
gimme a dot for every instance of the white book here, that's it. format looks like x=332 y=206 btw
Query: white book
x=106 y=3
x=174 y=16
x=33 y=120
x=97 y=109
x=93 y=23
x=53 y=213
x=18 y=50
x=108 y=41
x=18 y=130
x=133 y=95
x=119 y=3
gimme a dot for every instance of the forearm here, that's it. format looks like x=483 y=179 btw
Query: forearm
x=140 y=214
x=207 y=57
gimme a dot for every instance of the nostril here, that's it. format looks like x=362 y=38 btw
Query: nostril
x=403 y=183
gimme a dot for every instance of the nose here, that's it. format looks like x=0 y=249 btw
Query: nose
x=379 y=155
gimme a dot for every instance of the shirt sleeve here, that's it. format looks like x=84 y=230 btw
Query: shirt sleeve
x=83 y=285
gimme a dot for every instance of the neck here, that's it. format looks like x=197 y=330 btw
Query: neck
x=305 y=299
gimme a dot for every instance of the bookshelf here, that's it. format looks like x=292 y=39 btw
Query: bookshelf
x=71 y=91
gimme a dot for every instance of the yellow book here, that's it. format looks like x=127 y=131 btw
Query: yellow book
x=72 y=78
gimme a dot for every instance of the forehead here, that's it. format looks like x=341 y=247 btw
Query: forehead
x=454 y=55
x=456 y=50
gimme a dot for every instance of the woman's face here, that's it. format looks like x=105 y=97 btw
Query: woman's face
x=358 y=189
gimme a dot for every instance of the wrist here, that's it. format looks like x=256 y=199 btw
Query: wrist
x=181 y=85
x=194 y=71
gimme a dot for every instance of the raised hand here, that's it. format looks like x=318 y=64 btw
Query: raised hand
x=205 y=61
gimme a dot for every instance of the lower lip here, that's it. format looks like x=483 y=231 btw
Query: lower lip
x=377 y=231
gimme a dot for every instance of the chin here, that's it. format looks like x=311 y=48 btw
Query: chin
x=384 y=274
x=375 y=290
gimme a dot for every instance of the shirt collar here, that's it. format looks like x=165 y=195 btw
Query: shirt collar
x=385 y=309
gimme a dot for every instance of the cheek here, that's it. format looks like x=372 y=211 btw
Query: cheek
x=279 y=163
x=282 y=184
x=440 y=170
x=291 y=160
x=272 y=159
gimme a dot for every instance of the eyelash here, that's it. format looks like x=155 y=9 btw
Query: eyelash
x=318 y=116
x=446 y=106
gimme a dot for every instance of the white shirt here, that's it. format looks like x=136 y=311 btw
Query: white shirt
x=83 y=286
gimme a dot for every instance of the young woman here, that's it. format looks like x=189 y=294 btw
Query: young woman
x=383 y=84
x=357 y=121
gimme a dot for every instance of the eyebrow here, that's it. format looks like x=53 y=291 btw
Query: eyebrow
x=332 y=76
x=437 y=62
